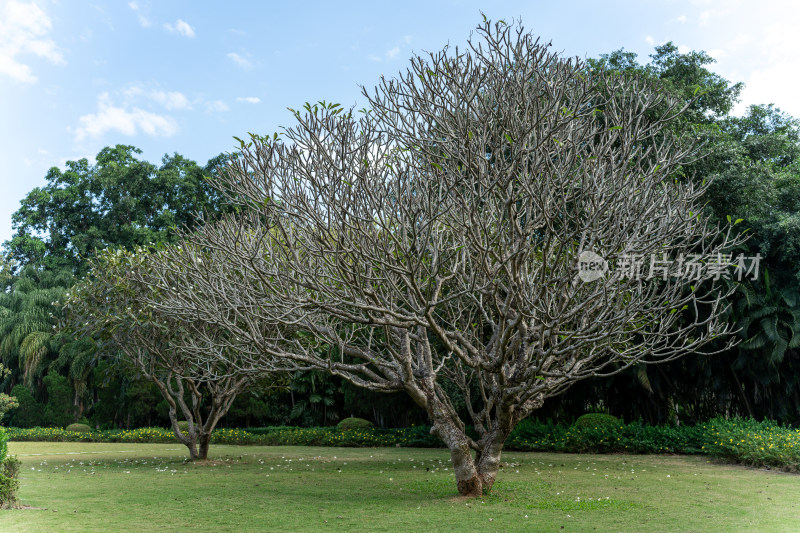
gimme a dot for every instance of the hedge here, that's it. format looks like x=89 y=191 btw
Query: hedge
x=744 y=441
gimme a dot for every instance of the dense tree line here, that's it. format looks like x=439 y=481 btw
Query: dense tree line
x=121 y=201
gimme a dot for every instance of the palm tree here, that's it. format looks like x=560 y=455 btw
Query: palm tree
x=769 y=322
x=28 y=318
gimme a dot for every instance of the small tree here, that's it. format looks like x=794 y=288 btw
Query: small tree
x=7 y=402
x=109 y=306
x=432 y=244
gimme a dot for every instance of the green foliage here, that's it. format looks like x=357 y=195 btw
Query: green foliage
x=28 y=319
x=7 y=403
x=739 y=440
x=3 y=444
x=9 y=468
x=354 y=424
x=754 y=443
x=183 y=425
x=623 y=438
x=597 y=420
x=317 y=392
x=78 y=428
x=9 y=481
x=120 y=201
x=30 y=412
x=58 y=411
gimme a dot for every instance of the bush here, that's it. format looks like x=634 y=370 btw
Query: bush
x=744 y=441
x=79 y=428
x=754 y=443
x=7 y=403
x=354 y=424
x=9 y=482
x=597 y=421
x=3 y=444
x=183 y=425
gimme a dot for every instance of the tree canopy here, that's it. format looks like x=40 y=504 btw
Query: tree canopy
x=437 y=237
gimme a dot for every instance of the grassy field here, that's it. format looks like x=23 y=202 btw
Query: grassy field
x=149 y=487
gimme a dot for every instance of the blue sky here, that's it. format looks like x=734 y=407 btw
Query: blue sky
x=180 y=76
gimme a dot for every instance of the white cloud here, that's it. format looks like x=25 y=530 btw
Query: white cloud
x=774 y=77
x=181 y=27
x=682 y=19
x=23 y=30
x=217 y=106
x=171 y=100
x=718 y=53
x=649 y=40
x=240 y=61
x=249 y=99
x=391 y=53
x=143 y=20
x=683 y=49
x=707 y=15
x=123 y=120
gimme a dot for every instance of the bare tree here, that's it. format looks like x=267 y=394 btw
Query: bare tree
x=110 y=306
x=437 y=235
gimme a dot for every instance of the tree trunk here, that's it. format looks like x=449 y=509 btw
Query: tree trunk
x=488 y=462
x=205 y=441
x=193 y=455
x=467 y=478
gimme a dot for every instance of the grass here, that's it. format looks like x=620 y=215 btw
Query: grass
x=149 y=487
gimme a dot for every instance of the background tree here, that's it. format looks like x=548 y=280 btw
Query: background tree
x=120 y=201
x=7 y=403
x=436 y=239
x=109 y=306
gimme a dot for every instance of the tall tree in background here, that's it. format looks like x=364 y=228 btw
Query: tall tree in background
x=119 y=201
x=753 y=164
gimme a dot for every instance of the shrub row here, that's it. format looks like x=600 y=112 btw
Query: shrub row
x=744 y=441
x=754 y=443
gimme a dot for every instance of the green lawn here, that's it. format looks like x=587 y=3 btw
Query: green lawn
x=148 y=487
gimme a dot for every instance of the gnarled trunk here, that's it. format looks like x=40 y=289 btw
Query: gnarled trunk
x=467 y=478
x=488 y=460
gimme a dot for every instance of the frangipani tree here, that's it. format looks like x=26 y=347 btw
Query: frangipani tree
x=437 y=236
x=110 y=306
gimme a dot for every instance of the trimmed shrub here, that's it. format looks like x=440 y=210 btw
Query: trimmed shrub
x=79 y=428
x=597 y=421
x=353 y=424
